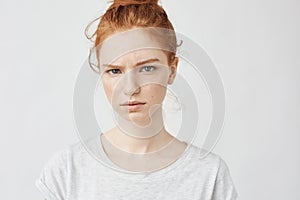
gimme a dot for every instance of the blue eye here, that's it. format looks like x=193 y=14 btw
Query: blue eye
x=147 y=68
x=113 y=71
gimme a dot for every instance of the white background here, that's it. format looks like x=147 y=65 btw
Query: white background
x=255 y=45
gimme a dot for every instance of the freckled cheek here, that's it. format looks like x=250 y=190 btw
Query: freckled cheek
x=109 y=89
x=155 y=93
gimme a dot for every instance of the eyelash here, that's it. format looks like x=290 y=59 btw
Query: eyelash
x=152 y=67
x=110 y=70
x=141 y=69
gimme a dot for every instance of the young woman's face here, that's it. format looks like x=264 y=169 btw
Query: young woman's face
x=136 y=83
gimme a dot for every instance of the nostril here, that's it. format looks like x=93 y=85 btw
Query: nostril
x=131 y=90
x=130 y=85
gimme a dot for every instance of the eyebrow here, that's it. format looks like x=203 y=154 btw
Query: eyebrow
x=137 y=64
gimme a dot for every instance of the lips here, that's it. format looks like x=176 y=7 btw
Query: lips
x=132 y=103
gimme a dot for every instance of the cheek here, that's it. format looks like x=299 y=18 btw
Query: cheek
x=155 y=93
x=108 y=86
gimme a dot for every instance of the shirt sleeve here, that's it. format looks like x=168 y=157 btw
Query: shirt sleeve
x=224 y=188
x=52 y=182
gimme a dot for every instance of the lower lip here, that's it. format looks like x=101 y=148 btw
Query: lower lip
x=134 y=107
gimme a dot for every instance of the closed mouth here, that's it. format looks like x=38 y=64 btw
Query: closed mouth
x=133 y=103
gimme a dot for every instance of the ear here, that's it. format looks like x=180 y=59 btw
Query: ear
x=173 y=69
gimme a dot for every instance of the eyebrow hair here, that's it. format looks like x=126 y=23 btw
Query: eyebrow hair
x=137 y=64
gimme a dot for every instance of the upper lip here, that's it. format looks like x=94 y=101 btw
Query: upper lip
x=132 y=103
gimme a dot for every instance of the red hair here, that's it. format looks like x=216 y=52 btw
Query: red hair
x=124 y=15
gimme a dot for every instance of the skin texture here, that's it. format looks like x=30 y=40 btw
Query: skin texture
x=125 y=79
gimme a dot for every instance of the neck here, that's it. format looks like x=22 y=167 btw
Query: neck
x=139 y=137
x=131 y=144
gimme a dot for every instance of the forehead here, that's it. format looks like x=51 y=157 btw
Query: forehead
x=136 y=56
x=131 y=44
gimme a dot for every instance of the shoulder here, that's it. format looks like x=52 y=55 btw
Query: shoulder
x=216 y=170
x=57 y=162
x=54 y=181
x=209 y=162
x=210 y=159
x=62 y=158
x=212 y=171
x=203 y=157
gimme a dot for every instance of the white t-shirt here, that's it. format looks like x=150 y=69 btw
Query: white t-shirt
x=74 y=174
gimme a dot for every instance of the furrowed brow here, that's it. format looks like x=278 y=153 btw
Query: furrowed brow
x=137 y=64
x=147 y=61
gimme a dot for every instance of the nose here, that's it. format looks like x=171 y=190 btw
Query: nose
x=130 y=84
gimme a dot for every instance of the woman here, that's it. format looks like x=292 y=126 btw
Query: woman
x=136 y=52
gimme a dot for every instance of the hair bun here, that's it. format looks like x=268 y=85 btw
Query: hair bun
x=130 y=2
